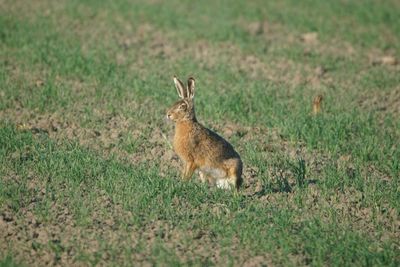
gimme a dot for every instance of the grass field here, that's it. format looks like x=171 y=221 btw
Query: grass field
x=88 y=175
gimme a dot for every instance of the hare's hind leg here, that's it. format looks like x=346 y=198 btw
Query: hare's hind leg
x=235 y=174
x=232 y=179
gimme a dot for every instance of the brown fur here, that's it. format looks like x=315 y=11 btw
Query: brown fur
x=317 y=104
x=199 y=147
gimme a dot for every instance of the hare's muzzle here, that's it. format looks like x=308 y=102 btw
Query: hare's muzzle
x=169 y=115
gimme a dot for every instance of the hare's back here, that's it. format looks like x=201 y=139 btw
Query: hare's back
x=213 y=146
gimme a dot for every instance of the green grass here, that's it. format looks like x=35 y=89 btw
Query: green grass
x=8 y=262
x=259 y=226
x=320 y=190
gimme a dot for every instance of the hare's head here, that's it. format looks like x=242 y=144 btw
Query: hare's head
x=183 y=109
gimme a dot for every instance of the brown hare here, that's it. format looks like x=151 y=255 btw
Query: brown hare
x=200 y=148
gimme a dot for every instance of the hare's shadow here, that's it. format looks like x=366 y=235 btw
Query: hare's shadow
x=273 y=188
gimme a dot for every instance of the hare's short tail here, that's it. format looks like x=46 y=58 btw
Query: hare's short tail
x=235 y=170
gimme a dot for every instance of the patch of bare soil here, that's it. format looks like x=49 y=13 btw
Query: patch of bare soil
x=278 y=36
x=60 y=240
x=137 y=45
x=350 y=205
x=278 y=70
x=387 y=58
x=311 y=42
x=382 y=102
x=26 y=9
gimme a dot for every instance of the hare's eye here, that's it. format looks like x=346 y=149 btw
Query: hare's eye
x=183 y=106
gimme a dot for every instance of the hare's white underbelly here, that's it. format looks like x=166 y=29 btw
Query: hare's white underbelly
x=218 y=175
x=215 y=173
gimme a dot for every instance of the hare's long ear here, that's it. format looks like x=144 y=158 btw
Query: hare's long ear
x=190 y=87
x=180 y=88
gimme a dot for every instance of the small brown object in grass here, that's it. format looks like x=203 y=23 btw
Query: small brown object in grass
x=317 y=104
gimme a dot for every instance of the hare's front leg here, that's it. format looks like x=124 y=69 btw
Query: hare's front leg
x=188 y=170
